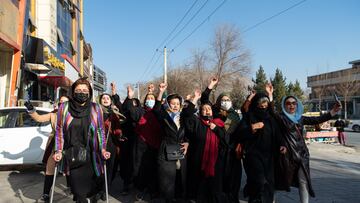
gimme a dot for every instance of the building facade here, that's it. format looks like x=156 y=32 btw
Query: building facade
x=53 y=48
x=99 y=81
x=12 y=14
x=344 y=83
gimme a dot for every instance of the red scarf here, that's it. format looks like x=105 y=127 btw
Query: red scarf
x=211 y=148
x=149 y=130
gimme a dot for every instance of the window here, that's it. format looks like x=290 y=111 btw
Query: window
x=7 y=119
x=59 y=34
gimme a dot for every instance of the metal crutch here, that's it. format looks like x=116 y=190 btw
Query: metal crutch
x=106 y=184
x=53 y=185
x=105 y=170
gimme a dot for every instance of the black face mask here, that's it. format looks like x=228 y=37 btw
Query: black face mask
x=207 y=118
x=81 y=97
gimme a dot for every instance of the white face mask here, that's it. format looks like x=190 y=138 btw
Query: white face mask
x=226 y=105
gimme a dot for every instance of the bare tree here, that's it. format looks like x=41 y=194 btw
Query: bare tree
x=348 y=86
x=231 y=57
x=199 y=65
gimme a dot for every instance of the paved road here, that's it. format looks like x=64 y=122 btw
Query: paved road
x=353 y=139
x=335 y=173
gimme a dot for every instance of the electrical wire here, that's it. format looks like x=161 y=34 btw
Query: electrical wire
x=206 y=19
x=178 y=24
x=188 y=22
x=273 y=16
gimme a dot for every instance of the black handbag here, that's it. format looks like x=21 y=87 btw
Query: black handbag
x=77 y=156
x=174 y=152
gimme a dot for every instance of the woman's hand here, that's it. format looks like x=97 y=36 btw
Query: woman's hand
x=256 y=126
x=184 y=147
x=113 y=88
x=337 y=107
x=130 y=92
x=269 y=90
x=283 y=149
x=57 y=156
x=162 y=87
x=212 y=126
x=106 y=155
x=213 y=82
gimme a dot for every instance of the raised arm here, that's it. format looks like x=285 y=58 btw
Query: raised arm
x=322 y=118
x=205 y=95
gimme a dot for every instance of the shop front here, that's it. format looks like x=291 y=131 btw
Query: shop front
x=50 y=71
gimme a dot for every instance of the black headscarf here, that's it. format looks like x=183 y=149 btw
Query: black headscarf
x=257 y=114
x=77 y=110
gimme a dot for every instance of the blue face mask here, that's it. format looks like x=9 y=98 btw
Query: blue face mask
x=150 y=103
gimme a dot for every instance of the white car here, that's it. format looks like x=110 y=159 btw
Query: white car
x=354 y=125
x=22 y=139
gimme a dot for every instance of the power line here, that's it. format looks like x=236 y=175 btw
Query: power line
x=148 y=66
x=177 y=25
x=273 y=16
x=206 y=19
x=147 y=69
x=189 y=21
x=154 y=65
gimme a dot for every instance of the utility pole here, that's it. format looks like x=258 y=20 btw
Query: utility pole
x=138 y=87
x=165 y=65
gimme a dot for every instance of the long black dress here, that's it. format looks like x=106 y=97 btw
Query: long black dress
x=199 y=187
x=233 y=165
x=261 y=149
x=171 y=180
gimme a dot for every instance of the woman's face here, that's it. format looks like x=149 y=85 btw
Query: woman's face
x=290 y=105
x=105 y=100
x=206 y=110
x=263 y=105
x=174 y=105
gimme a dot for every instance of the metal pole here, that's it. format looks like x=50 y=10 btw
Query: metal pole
x=165 y=65
x=53 y=185
x=106 y=184
x=138 y=87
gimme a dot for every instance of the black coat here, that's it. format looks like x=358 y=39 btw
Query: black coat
x=297 y=150
x=199 y=187
x=167 y=169
x=261 y=152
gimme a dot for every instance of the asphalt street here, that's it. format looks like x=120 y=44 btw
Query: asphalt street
x=335 y=172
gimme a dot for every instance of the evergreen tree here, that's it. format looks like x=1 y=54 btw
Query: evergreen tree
x=297 y=91
x=260 y=80
x=280 y=90
x=290 y=89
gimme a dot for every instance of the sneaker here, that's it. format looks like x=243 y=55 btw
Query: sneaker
x=140 y=196
x=45 y=198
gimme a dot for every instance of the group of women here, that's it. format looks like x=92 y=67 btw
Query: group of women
x=183 y=150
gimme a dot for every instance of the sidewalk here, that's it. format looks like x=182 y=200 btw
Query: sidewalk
x=335 y=172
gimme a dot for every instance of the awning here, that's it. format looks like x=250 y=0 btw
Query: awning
x=56 y=81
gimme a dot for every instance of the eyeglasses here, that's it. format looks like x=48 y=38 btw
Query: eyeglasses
x=291 y=103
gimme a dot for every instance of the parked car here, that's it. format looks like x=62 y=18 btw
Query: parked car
x=354 y=125
x=22 y=139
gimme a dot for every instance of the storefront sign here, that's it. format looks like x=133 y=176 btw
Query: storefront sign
x=51 y=60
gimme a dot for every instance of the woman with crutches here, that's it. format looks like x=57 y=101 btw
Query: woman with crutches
x=81 y=139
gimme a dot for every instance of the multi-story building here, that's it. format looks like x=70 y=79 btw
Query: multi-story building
x=12 y=14
x=99 y=81
x=345 y=83
x=53 y=48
